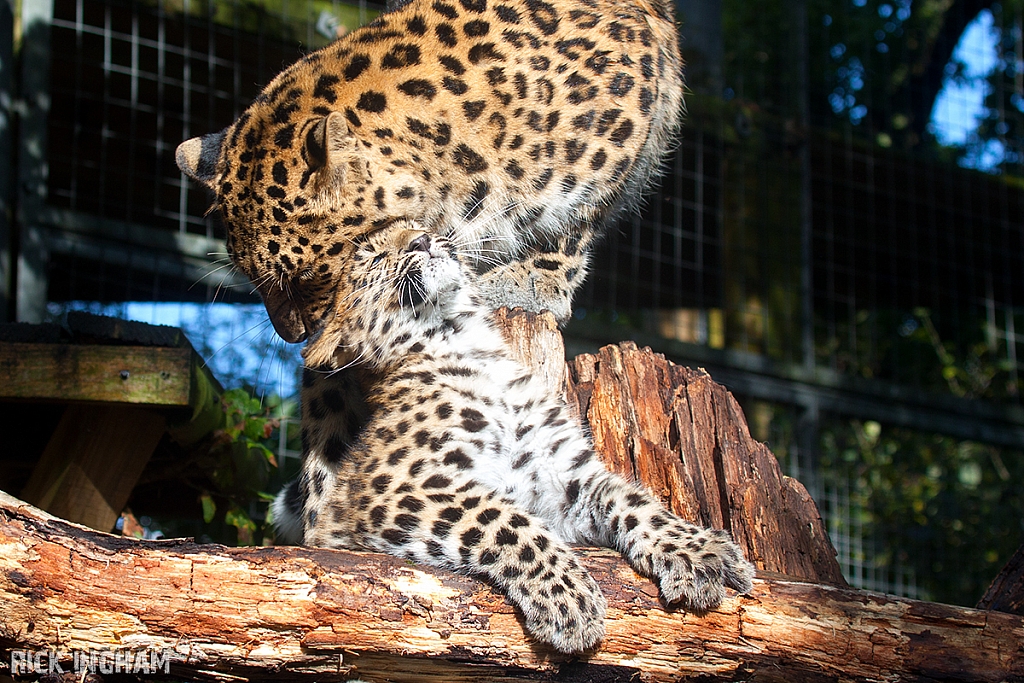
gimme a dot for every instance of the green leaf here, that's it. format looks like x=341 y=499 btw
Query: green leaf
x=254 y=428
x=209 y=507
x=238 y=518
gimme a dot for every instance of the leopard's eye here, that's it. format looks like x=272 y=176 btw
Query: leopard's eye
x=378 y=258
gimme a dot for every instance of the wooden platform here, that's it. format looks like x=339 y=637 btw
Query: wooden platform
x=118 y=387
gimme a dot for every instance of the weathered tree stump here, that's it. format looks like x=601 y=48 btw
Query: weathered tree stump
x=1006 y=593
x=684 y=436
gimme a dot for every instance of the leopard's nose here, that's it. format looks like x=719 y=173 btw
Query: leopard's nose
x=421 y=243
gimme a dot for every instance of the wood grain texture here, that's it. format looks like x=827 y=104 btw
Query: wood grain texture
x=112 y=374
x=92 y=462
x=685 y=437
x=301 y=614
x=535 y=341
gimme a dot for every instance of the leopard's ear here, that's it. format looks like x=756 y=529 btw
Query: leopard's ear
x=197 y=158
x=331 y=145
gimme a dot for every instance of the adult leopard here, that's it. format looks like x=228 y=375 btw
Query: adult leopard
x=517 y=128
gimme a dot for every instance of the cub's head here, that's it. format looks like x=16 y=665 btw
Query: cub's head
x=293 y=179
x=398 y=287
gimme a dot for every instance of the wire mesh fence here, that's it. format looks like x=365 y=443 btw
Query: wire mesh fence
x=838 y=231
x=131 y=80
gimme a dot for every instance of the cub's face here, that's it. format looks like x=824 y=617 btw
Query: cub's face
x=399 y=283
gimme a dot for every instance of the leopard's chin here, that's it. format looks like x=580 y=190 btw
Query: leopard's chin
x=442 y=278
x=284 y=315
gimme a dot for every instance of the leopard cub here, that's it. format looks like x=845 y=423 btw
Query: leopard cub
x=464 y=461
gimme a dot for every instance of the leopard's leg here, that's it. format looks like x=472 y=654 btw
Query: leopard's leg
x=544 y=278
x=692 y=565
x=586 y=503
x=333 y=412
x=422 y=504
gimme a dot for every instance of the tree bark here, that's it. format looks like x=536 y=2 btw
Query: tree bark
x=684 y=436
x=1006 y=593
x=304 y=614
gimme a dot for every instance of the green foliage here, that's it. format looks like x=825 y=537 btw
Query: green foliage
x=951 y=511
x=896 y=345
x=867 y=53
x=290 y=22
x=866 y=69
x=850 y=50
x=1000 y=132
x=975 y=369
x=241 y=467
x=948 y=509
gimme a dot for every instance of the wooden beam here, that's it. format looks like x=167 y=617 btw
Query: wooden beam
x=155 y=376
x=125 y=384
x=92 y=461
x=302 y=614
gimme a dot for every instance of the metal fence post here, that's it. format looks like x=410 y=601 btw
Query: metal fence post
x=31 y=285
x=7 y=99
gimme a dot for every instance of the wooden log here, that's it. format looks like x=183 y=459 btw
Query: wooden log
x=536 y=342
x=302 y=614
x=685 y=437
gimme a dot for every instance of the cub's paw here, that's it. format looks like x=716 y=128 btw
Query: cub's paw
x=564 y=607
x=693 y=566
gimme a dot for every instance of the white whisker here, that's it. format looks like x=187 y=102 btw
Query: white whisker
x=228 y=266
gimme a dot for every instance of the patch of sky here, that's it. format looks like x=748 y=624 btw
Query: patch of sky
x=960 y=104
x=236 y=340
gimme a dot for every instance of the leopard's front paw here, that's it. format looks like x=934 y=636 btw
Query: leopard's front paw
x=565 y=608
x=695 y=568
x=522 y=285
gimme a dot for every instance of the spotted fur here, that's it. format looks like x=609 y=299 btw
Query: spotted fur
x=459 y=458
x=518 y=128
